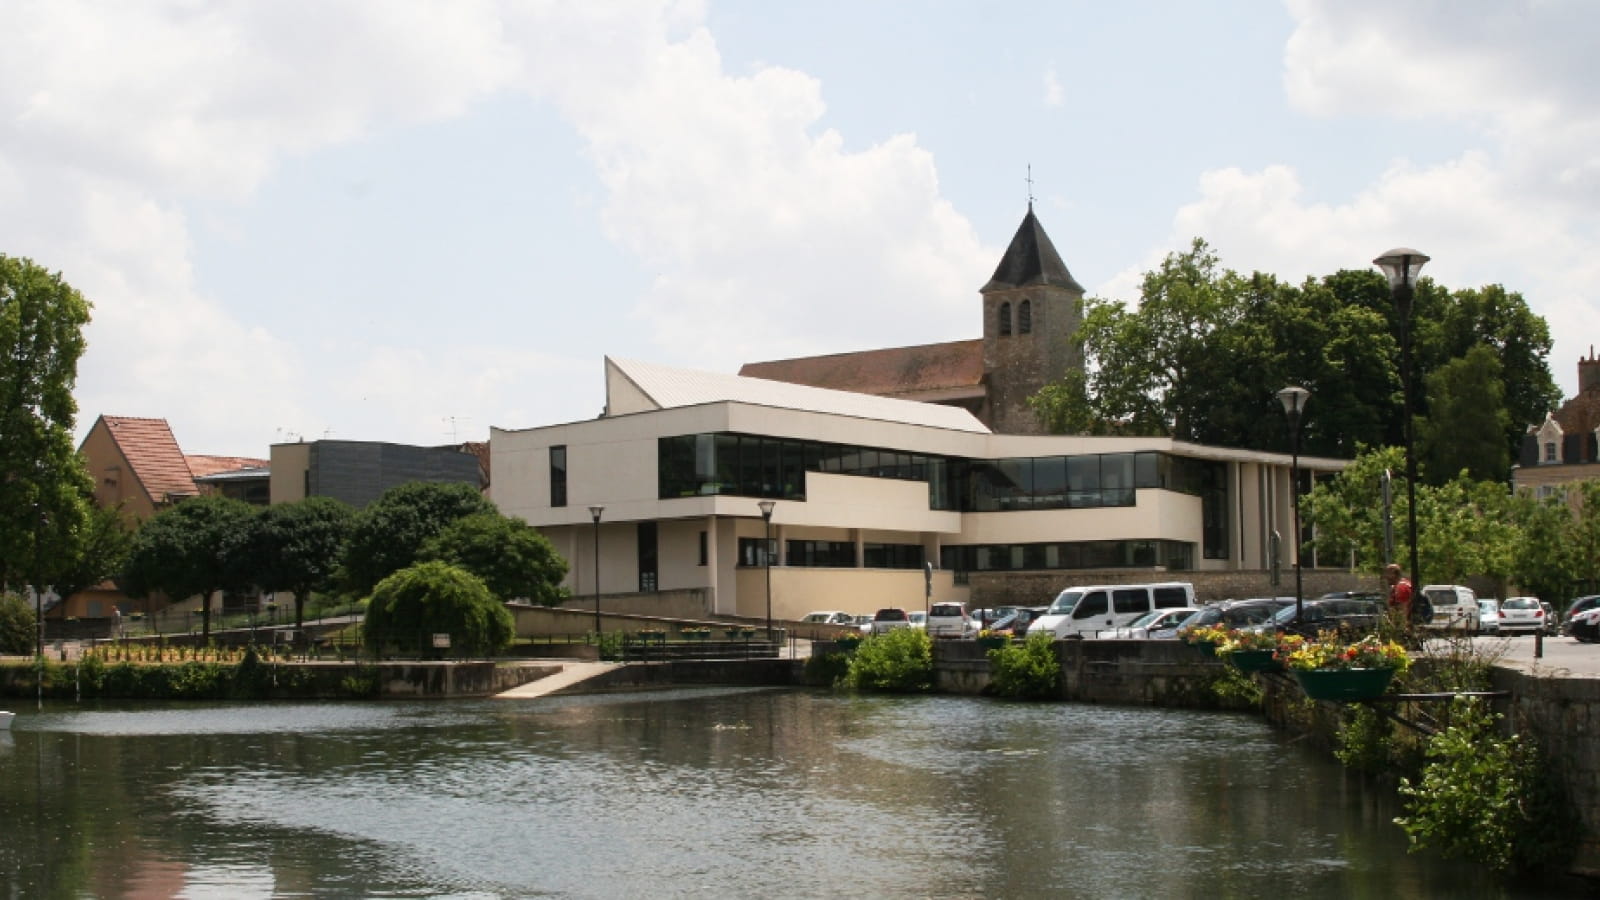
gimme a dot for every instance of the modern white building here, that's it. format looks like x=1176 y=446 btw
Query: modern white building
x=865 y=492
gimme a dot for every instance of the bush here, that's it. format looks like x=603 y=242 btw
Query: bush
x=827 y=669
x=1486 y=797
x=1028 y=672
x=410 y=606
x=898 y=662
x=18 y=627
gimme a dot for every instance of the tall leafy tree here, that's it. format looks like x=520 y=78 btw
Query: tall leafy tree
x=43 y=484
x=1541 y=557
x=511 y=557
x=389 y=533
x=198 y=547
x=298 y=547
x=1205 y=351
x=1465 y=429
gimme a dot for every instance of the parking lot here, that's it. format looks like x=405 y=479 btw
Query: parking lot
x=1562 y=655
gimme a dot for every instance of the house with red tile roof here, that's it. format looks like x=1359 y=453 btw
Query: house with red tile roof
x=1565 y=447
x=136 y=464
x=1031 y=311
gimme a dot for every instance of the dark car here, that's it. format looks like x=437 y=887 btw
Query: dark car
x=1317 y=616
x=1575 y=607
x=1236 y=613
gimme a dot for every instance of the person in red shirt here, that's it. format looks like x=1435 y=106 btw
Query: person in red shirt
x=1399 y=594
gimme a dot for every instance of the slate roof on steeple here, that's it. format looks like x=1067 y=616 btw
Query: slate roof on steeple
x=1031 y=260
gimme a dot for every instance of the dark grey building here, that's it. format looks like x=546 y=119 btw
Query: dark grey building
x=358 y=472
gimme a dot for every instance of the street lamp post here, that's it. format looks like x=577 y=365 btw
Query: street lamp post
x=594 y=513
x=1294 y=400
x=1401 y=266
x=766 y=553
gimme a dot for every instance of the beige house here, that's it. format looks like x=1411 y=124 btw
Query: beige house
x=1565 y=447
x=873 y=500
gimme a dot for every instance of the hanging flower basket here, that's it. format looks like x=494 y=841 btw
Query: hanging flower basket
x=1344 y=684
x=848 y=642
x=993 y=641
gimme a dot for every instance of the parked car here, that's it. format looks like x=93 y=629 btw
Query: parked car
x=1317 y=616
x=1155 y=625
x=1454 y=606
x=919 y=619
x=949 y=620
x=1577 y=606
x=1102 y=608
x=1521 y=614
x=887 y=620
x=1585 y=626
x=987 y=617
x=827 y=617
x=1233 y=614
x=1488 y=617
x=1018 y=624
x=1552 y=622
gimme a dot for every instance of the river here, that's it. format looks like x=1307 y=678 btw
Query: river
x=704 y=792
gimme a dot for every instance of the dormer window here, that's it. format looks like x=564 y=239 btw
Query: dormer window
x=1025 y=317
x=1550 y=452
x=1005 y=320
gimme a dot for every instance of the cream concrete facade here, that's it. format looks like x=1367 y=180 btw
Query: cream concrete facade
x=613 y=462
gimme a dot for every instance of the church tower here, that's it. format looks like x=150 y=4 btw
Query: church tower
x=1031 y=309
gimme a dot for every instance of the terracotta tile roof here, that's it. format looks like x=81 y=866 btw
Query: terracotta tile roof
x=891 y=372
x=152 y=452
x=201 y=465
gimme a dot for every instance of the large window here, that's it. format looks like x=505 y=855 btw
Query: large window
x=1141 y=554
x=756 y=551
x=891 y=556
x=558 y=475
x=755 y=466
x=825 y=554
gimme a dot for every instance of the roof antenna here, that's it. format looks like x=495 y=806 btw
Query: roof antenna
x=1030 y=187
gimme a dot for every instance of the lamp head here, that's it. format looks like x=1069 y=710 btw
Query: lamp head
x=1401 y=266
x=1294 y=400
x=766 y=508
x=594 y=513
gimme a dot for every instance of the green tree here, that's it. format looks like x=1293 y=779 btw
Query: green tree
x=197 y=547
x=1583 y=535
x=388 y=534
x=511 y=556
x=43 y=484
x=99 y=550
x=1501 y=322
x=1205 y=351
x=1541 y=556
x=898 y=662
x=1347 y=511
x=298 y=547
x=18 y=625
x=415 y=603
x=1467 y=420
x=1464 y=529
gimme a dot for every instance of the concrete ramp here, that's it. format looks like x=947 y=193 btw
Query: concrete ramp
x=570 y=674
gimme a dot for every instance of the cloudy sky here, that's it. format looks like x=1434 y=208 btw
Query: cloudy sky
x=408 y=221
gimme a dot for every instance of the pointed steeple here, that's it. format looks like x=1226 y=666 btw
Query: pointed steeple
x=1031 y=260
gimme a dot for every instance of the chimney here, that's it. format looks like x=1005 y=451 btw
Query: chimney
x=1588 y=372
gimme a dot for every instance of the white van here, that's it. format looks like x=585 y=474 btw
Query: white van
x=1088 y=611
x=1454 y=606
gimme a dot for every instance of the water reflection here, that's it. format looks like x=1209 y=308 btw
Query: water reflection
x=738 y=793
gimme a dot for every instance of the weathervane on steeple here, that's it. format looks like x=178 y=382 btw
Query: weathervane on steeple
x=1029 y=179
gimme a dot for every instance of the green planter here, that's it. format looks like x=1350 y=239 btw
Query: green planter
x=992 y=643
x=1253 y=661
x=1205 y=647
x=847 y=642
x=1344 y=684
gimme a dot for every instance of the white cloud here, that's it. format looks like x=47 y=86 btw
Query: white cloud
x=1054 y=93
x=769 y=237
x=1518 y=210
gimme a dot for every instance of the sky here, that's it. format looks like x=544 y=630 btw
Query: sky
x=408 y=221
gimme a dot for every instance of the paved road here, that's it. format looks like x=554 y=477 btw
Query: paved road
x=1562 y=655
